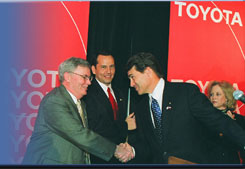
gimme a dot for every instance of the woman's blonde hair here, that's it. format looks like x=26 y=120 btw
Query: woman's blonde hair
x=228 y=90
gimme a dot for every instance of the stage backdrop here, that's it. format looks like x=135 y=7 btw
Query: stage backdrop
x=39 y=36
x=207 y=43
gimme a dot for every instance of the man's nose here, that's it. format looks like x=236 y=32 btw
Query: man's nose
x=89 y=82
x=108 y=70
x=132 y=83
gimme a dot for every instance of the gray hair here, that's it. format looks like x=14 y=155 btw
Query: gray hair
x=70 y=65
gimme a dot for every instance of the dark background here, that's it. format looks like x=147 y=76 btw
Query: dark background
x=125 y=28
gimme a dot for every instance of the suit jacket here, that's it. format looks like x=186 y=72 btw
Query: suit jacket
x=59 y=136
x=224 y=151
x=187 y=119
x=101 y=118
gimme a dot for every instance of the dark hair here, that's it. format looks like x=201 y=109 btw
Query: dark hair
x=94 y=56
x=143 y=60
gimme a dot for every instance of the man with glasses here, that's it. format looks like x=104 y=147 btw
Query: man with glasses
x=105 y=103
x=61 y=134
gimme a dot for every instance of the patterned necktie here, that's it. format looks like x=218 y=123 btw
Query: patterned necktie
x=113 y=103
x=80 y=110
x=157 y=114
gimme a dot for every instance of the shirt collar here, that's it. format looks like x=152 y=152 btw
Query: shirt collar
x=103 y=86
x=73 y=97
x=158 y=91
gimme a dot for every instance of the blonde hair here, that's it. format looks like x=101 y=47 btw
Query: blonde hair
x=228 y=90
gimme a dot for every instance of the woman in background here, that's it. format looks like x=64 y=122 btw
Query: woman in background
x=221 y=96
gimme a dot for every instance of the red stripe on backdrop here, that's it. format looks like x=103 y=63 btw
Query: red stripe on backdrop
x=207 y=43
x=46 y=33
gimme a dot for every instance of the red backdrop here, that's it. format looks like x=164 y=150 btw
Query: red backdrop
x=44 y=35
x=207 y=43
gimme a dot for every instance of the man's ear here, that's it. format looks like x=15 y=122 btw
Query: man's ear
x=93 y=69
x=148 y=71
x=67 y=76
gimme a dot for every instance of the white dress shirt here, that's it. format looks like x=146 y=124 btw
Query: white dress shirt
x=104 y=87
x=73 y=97
x=158 y=95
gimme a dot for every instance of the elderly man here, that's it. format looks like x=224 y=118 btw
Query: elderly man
x=61 y=135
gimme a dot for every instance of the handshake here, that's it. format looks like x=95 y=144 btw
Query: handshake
x=124 y=152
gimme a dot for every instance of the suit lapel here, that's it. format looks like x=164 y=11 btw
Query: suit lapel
x=71 y=103
x=84 y=112
x=120 y=100
x=147 y=113
x=167 y=109
x=147 y=122
x=103 y=99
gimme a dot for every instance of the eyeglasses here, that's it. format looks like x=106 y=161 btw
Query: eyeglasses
x=85 y=77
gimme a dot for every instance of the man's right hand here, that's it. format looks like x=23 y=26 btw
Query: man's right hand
x=124 y=153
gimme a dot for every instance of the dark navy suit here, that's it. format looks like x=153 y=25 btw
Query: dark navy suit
x=100 y=116
x=187 y=120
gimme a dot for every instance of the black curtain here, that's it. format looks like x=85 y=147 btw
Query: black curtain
x=125 y=28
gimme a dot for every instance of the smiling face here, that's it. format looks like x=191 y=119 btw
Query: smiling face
x=104 y=70
x=75 y=83
x=217 y=97
x=139 y=81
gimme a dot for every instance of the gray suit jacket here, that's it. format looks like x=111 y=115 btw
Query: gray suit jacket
x=59 y=136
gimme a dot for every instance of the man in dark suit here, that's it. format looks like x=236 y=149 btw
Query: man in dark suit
x=104 y=117
x=61 y=135
x=173 y=120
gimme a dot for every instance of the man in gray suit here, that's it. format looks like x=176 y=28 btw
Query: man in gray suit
x=60 y=134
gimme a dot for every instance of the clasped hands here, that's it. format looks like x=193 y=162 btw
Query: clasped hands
x=124 y=152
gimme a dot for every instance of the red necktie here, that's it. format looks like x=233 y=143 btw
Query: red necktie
x=113 y=103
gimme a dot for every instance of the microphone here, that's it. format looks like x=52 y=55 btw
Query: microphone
x=239 y=95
